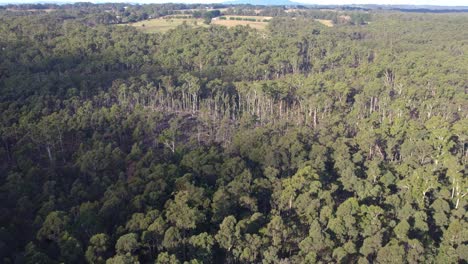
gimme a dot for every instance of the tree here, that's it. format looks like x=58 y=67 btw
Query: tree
x=166 y=258
x=54 y=226
x=391 y=253
x=170 y=135
x=97 y=249
x=226 y=236
x=172 y=239
x=298 y=192
x=181 y=213
x=127 y=244
x=122 y=259
x=70 y=249
x=201 y=247
x=344 y=224
x=316 y=244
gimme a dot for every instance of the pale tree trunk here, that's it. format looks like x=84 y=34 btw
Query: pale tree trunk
x=170 y=145
x=315 y=117
x=459 y=195
x=49 y=153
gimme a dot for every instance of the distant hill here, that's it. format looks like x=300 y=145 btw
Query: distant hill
x=263 y=2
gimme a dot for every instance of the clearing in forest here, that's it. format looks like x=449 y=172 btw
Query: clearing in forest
x=189 y=11
x=328 y=23
x=162 y=25
x=258 y=22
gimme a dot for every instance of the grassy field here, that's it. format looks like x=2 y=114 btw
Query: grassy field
x=160 y=25
x=182 y=11
x=250 y=17
x=325 y=22
x=233 y=23
x=259 y=24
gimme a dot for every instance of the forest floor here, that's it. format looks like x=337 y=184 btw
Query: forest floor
x=161 y=25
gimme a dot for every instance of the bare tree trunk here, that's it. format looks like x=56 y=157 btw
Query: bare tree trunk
x=49 y=153
x=315 y=117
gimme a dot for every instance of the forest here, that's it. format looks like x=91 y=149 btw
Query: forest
x=301 y=143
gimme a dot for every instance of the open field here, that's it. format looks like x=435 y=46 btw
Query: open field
x=249 y=17
x=260 y=22
x=201 y=10
x=160 y=25
x=233 y=23
x=325 y=22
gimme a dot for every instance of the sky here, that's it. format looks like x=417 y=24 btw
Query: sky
x=320 y=2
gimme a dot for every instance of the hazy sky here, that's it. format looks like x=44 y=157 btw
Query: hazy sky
x=394 y=2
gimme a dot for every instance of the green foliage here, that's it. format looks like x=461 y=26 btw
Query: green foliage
x=98 y=246
x=127 y=244
x=54 y=226
x=298 y=144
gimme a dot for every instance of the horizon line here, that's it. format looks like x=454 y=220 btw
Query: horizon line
x=97 y=2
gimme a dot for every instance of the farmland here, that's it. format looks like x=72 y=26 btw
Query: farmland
x=188 y=11
x=257 y=22
x=162 y=25
x=328 y=23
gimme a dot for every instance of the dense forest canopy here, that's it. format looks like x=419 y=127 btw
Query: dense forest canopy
x=298 y=144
